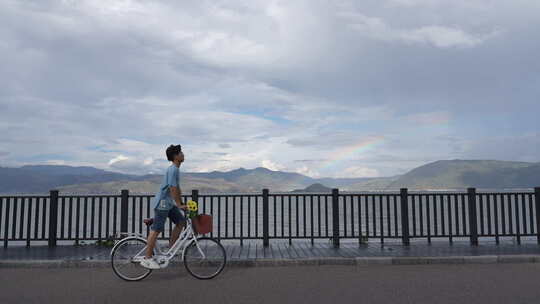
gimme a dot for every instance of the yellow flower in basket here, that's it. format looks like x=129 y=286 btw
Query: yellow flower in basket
x=192 y=205
x=192 y=208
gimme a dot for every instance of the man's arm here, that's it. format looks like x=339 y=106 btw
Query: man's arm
x=176 y=193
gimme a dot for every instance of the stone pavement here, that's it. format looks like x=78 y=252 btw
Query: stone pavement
x=299 y=250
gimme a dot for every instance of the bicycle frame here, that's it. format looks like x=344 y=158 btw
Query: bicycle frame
x=185 y=238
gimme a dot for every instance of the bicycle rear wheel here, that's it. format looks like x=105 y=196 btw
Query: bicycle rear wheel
x=123 y=260
x=205 y=258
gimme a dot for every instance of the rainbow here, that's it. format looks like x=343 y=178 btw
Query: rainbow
x=364 y=145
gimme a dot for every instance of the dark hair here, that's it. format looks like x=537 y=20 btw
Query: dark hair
x=172 y=150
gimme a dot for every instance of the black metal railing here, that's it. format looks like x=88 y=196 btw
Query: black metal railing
x=286 y=216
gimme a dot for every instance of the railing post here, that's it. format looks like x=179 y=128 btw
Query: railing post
x=6 y=222
x=335 y=217
x=53 y=217
x=537 y=207
x=473 y=220
x=404 y=216
x=194 y=195
x=124 y=211
x=266 y=241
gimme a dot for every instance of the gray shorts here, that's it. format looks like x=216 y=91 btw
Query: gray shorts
x=174 y=214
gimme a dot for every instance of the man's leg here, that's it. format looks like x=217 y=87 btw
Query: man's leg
x=176 y=233
x=155 y=229
x=179 y=222
x=151 y=242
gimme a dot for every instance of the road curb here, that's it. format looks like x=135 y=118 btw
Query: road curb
x=357 y=261
x=54 y=263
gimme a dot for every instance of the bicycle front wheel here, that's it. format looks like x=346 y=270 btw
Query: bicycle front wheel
x=205 y=258
x=126 y=257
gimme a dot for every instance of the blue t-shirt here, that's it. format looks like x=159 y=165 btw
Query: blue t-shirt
x=171 y=178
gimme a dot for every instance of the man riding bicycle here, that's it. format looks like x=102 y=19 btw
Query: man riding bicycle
x=167 y=203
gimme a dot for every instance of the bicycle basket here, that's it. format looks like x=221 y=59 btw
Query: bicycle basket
x=202 y=223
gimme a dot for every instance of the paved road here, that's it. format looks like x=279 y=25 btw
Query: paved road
x=494 y=283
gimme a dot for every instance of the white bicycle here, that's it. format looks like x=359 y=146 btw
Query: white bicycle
x=203 y=257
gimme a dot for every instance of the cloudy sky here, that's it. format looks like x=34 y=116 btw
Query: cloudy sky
x=323 y=88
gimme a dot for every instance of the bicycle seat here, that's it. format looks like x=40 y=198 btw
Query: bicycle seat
x=148 y=221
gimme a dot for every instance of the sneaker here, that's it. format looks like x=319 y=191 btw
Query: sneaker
x=149 y=263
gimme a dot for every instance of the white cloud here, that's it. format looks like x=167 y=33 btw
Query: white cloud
x=436 y=35
x=519 y=147
x=437 y=117
x=136 y=165
x=268 y=164
x=148 y=161
x=117 y=159
x=356 y=171
x=305 y=170
x=55 y=162
x=444 y=37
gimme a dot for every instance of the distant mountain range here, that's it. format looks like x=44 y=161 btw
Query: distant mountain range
x=88 y=180
x=458 y=174
x=442 y=174
x=314 y=188
x=41 y=178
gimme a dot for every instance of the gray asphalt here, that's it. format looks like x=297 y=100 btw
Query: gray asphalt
x=475 y=283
